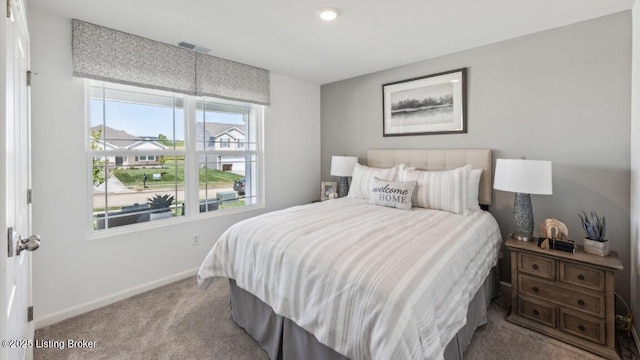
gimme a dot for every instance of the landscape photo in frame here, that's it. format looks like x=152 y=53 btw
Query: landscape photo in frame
x=433 y=104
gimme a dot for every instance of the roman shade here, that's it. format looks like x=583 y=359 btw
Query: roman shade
x=110 y=55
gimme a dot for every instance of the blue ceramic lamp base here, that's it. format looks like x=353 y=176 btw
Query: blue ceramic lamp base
x=522 y=218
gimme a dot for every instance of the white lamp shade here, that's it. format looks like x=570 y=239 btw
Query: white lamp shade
x=523 y=176
x=343 y=165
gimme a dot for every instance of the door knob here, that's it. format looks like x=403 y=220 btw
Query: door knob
x=30 y=244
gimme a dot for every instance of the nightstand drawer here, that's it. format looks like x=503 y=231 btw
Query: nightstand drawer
x=592 y=303
x=537 y=265
x=582 y=326
x=587 y=277
x=539 y=311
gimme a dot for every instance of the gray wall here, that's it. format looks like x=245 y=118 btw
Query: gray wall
x=561 y=95
x=73 y=274
x=635 y=170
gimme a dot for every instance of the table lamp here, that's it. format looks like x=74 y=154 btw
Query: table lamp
x=342 y=166
x=523 y=177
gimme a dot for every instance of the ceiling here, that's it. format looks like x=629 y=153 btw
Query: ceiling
x=286 y=36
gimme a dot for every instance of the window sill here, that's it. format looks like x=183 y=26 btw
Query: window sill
x=128 y=229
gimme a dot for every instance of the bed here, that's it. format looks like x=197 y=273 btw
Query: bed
x=346 y=279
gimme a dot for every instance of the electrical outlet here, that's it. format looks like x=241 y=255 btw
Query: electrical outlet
x=195 y=239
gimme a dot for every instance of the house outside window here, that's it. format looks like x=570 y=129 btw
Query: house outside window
x=144 y=167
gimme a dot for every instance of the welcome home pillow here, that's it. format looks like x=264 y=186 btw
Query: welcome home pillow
x=392 y=194
x=363 y=178
x=440 y=190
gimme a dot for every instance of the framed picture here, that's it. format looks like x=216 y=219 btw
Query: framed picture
x=328 y=190
x=432 y=104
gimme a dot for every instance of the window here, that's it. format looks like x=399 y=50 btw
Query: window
x=145 y=168
x=145 y=158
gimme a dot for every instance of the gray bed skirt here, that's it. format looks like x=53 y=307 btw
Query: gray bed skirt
x=283 y=339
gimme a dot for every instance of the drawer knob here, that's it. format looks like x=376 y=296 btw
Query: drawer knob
x=535 y=267
x=536 y=313
x=581 y=302
x=580 y=277
x=581 y=328
x=535 y=289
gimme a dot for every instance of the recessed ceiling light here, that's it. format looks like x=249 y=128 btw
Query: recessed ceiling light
x=328 y=14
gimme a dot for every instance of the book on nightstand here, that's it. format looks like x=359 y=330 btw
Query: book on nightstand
x=554 y=244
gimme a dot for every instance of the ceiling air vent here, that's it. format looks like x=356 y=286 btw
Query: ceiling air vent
x=197 y=48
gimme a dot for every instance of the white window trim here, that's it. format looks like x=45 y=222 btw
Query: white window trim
x=193 y=213
x=134 y=228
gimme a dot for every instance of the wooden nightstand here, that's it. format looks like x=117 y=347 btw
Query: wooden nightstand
x=566 y=296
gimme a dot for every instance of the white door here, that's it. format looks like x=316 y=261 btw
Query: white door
x=19 y=327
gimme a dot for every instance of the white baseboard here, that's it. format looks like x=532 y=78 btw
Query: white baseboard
x=110 y=299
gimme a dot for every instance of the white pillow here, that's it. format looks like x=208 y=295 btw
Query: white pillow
x=392 y=194
x=440 y=190
x=363 y=178
x=473 y=188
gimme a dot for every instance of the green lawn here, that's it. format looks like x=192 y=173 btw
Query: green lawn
x=223 y=205
x=170 y=172
x=232 y=204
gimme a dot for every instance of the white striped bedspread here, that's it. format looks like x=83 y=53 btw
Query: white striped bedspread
x=368 y=281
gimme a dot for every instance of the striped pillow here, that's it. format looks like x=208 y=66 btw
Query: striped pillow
x=473 y=188
x=440 y=190
x=363 y=179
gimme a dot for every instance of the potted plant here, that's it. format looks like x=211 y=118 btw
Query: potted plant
x=160 y=206
x=595 y=228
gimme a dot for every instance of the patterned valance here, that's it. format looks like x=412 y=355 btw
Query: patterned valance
x=105 y=54
x=231 y=80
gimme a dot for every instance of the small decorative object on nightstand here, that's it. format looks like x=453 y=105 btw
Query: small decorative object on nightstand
x=595 y=230
x=342 y=166
x=567 y=296
x=328 y=190
x=554 y=229
x=523 y=177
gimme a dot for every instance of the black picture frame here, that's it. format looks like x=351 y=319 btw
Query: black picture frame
x=427 y=105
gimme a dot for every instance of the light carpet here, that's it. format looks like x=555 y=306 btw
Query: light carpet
x=180 y=321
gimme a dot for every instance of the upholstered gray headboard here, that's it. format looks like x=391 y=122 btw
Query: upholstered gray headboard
x=439 y=159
